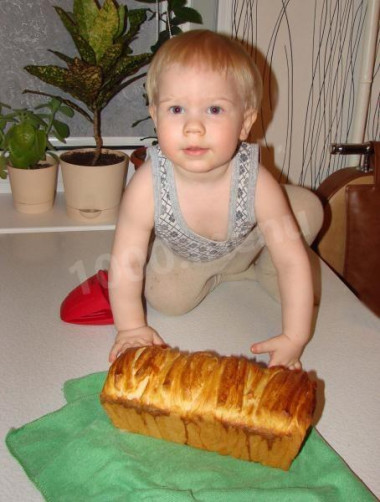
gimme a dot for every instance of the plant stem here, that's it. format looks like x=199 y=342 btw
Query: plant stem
x=97 y=136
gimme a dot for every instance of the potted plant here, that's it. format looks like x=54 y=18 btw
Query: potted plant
x=171 y=17
x=24 y=141
x=105 y=66
x=175 y=14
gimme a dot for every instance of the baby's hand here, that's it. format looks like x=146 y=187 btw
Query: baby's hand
x=282 y=350
x=138 y=337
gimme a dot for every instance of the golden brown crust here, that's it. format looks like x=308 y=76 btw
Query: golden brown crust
x=203 y=395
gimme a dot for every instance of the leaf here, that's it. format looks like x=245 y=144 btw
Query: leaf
x=40 y=146
x=67 y=21
x=122 y=12
x=63 y=57
x=26 y=145
x=65 y=110
x=136 y=17
x=174 y=4
x=41 y=116
x=104 y=29
x=21 y=137
x=61 y=130
x=41 y=120
x=188 y=15
x=126 y=66
x=84 y=48
x=85 y=13
x=34 y=119
x=84 y=82
x=52 y=105
x=80 y=80
x=3 y=166
x=110 y=57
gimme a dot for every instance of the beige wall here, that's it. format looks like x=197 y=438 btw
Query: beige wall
x=309 y=54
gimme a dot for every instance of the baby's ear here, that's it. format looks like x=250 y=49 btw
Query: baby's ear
x=250 y=116
x=153 y=113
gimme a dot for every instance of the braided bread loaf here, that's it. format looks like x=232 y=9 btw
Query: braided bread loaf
x=225 y=404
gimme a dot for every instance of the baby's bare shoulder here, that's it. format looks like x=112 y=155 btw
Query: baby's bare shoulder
x=138 y=197
x=142 y=175
x=270 y=198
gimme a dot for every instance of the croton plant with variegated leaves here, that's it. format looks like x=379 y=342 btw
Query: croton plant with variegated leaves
x=102 y=36
x=106 y=64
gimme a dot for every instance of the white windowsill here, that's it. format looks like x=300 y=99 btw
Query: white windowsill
x=56 y=220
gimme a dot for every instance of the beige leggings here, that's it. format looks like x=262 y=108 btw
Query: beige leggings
x=175 y=285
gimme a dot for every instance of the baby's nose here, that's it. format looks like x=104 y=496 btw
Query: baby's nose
x=194 y=125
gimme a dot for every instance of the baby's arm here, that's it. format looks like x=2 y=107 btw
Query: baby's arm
x=291 y=261
x=129 y=254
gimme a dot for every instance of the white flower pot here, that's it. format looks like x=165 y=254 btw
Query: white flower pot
x=33 y=190
x=93 y=193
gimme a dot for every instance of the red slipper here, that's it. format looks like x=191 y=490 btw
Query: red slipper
x=89 y=302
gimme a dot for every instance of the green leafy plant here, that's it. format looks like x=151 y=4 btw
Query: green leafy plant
x=24 y=133
x=102 y=36
x=171 y=17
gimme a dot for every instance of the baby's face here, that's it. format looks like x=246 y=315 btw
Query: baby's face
x=200 y=118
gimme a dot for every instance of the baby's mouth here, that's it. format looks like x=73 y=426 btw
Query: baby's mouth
x=195 y=150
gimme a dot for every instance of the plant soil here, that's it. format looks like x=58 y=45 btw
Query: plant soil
x=85 y=158
x=40 y=165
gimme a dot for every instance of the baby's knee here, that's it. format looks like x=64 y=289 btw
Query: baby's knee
x=169 y=303
x=176 y=300
x=307 y=209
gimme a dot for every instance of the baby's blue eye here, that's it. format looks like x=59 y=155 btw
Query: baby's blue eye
x=214 y=110
x=176 y=109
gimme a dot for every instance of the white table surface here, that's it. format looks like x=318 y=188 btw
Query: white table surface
x=39 y=352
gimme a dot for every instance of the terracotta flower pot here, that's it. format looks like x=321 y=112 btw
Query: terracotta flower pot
x=33 y=190
x=93 y=193
x=138 y=156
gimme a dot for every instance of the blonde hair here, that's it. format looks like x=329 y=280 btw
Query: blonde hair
x=214 y=51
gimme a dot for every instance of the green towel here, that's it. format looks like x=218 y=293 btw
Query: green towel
x=75 y=454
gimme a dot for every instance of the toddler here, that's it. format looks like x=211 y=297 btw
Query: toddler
x=215 y=213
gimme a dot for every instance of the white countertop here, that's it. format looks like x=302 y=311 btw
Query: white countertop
x=39 y=352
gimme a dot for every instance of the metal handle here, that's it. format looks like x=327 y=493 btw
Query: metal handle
x=366 y=149
x=351 y=148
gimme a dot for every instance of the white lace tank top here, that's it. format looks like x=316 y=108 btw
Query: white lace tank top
x=170 y=226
